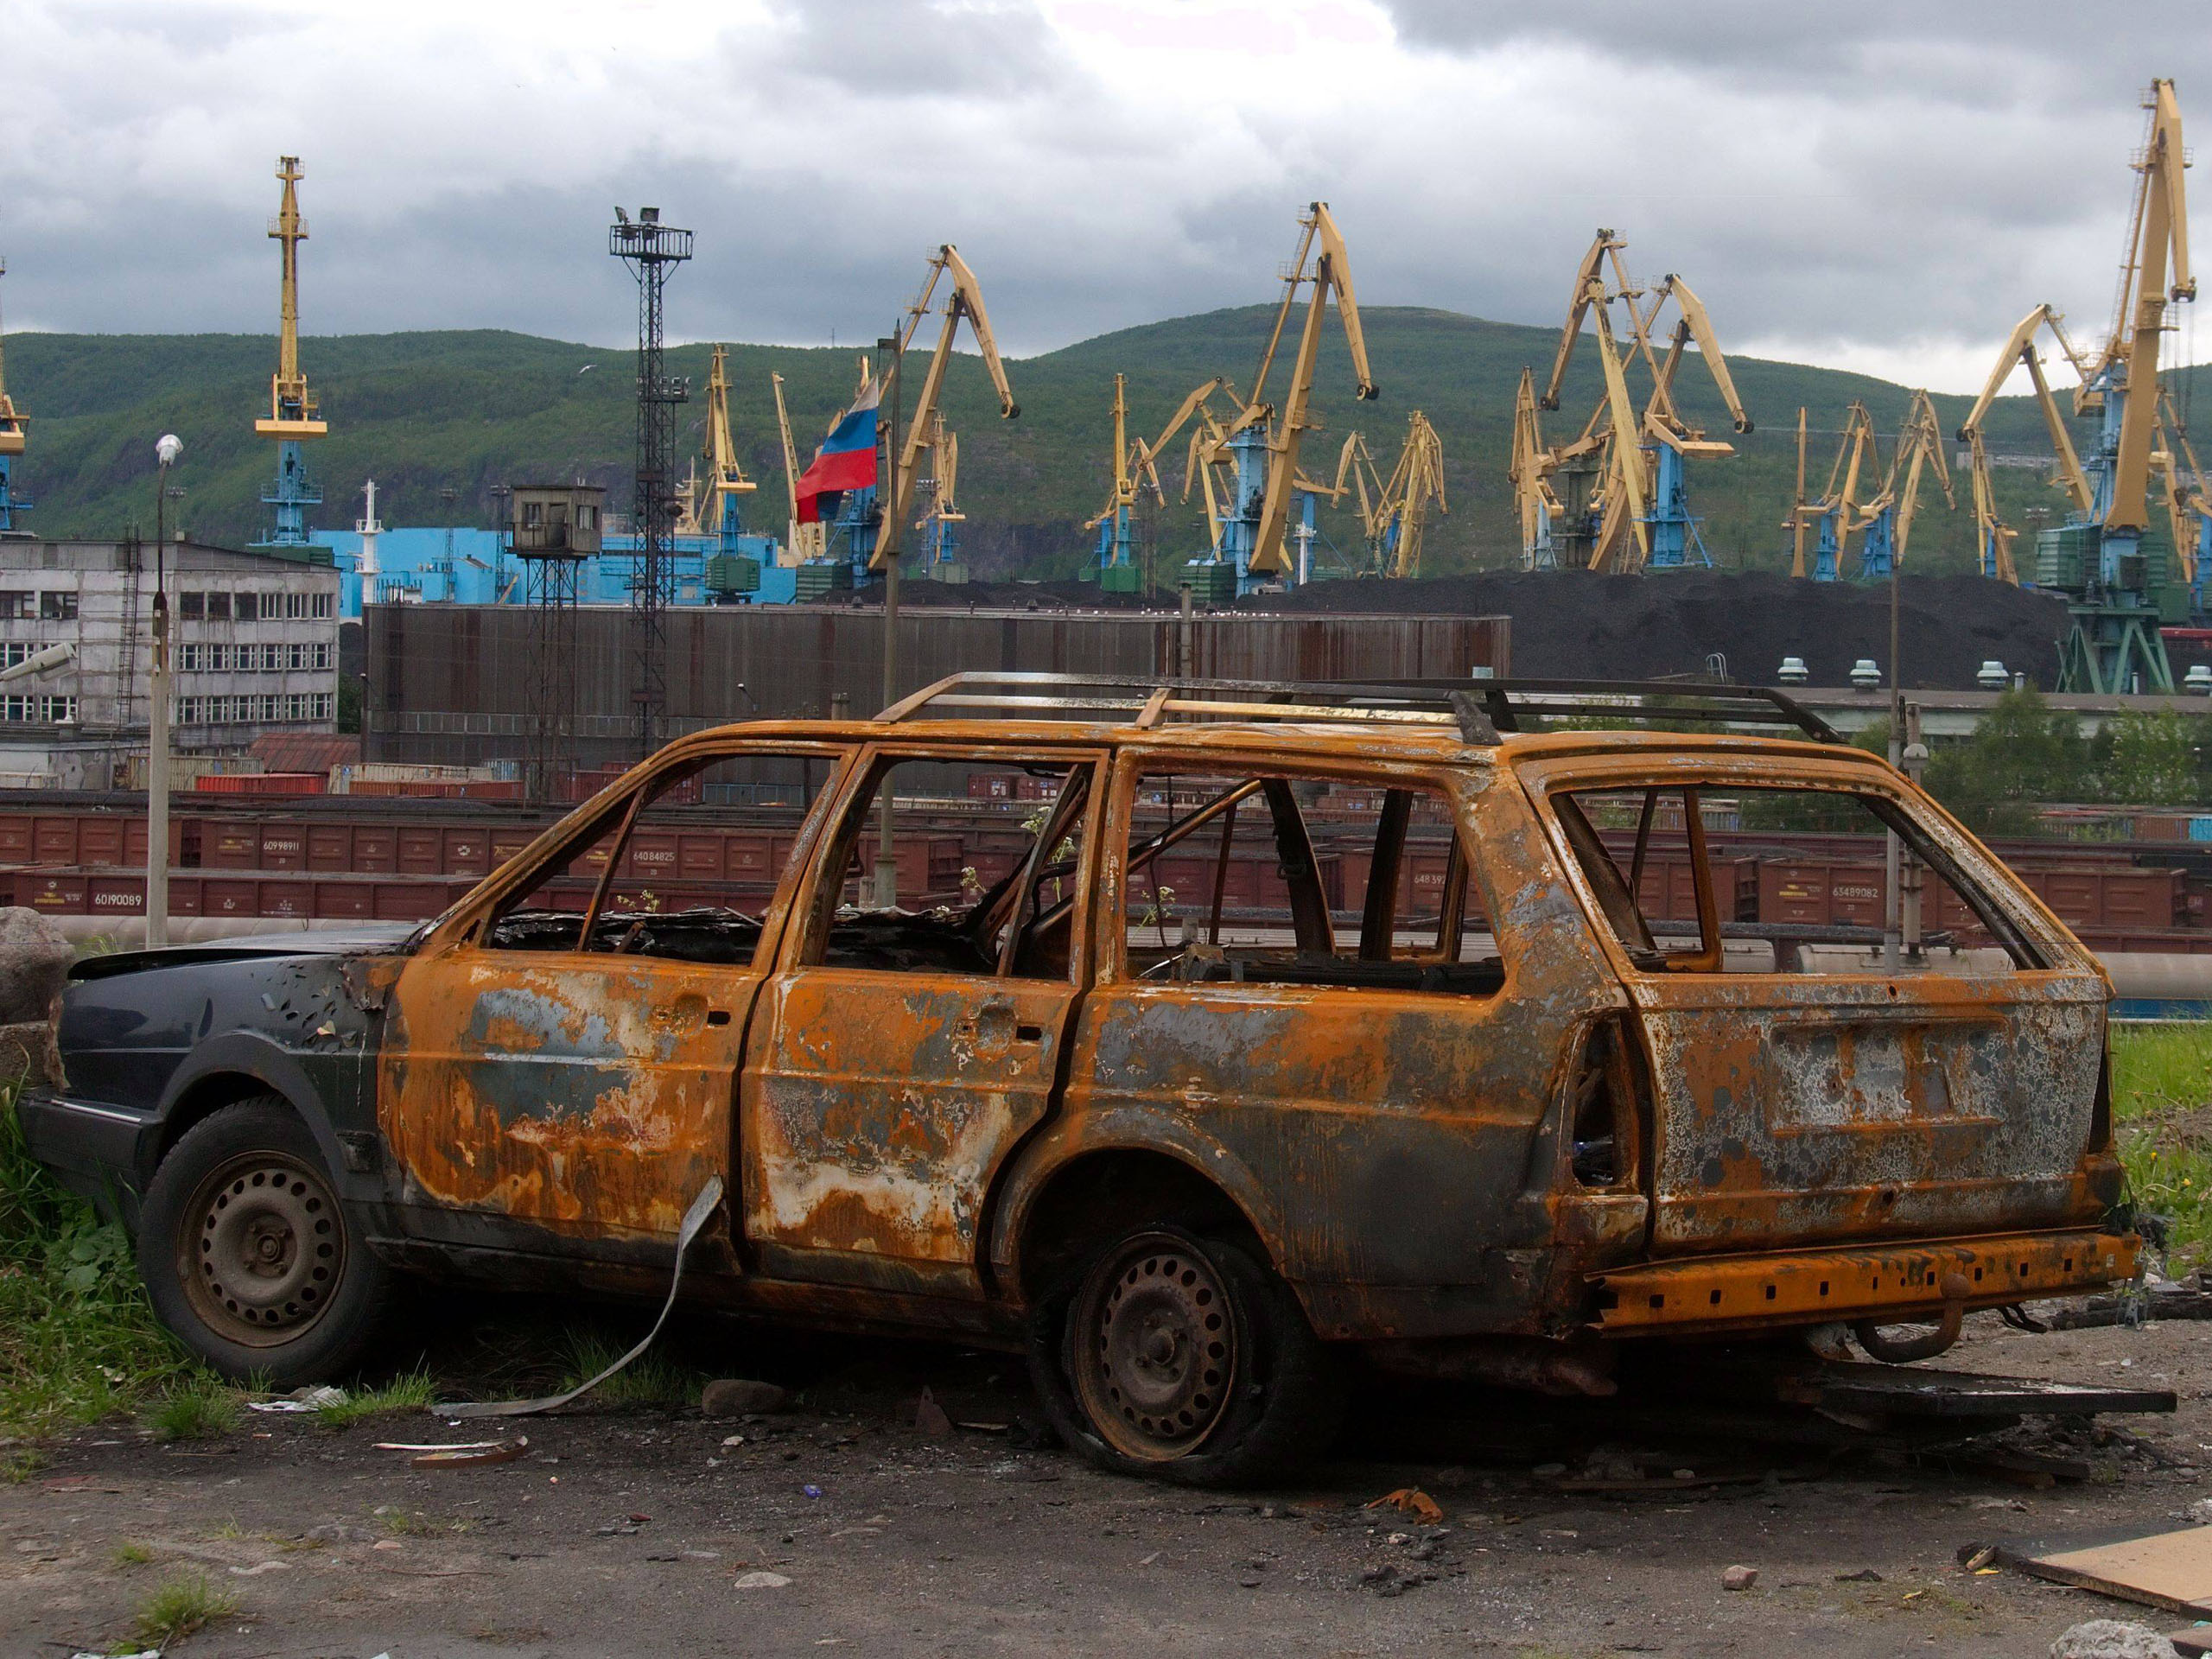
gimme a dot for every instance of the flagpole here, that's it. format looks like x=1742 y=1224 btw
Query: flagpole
x=886 y=860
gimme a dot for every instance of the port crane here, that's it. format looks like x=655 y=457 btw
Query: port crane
x=965 y=303
x=805 y=543
x=1251 y=531
x=1888 y=517
x=2116 y=578
x=13 y=422
x=1835 y=517
x=715 y=498
x=1637 y=515
x=1535 y=502
x=1394 y=511
x=292 y=416
x=2189 y=511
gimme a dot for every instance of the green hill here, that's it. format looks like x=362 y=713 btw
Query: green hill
x=464 y=411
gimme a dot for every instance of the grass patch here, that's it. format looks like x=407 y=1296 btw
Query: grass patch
x=78 y=1338
x=130 y=1552
x=651 y=1379
x=200 y=1411
x=410 y=1392
x=2162 y=1104
x=181 y=1606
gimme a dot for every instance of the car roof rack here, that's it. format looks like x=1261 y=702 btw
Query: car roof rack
x=1481 y=711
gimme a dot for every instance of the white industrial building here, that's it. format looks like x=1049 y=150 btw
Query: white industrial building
x=254 y=648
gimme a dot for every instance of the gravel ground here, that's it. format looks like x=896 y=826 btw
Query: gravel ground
x=636 y=1531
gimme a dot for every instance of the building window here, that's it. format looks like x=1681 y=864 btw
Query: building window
x=46 y=706
x=15 y=607
x=322 y=606
x=247 y=606
x=322 y=705
x=586 y=518
x=12 y=654
x=57 y=605
x=321 y=658
x=533 y=515
x=219 y=607
x=272 y=659
x=192 y=606
x=187 y=659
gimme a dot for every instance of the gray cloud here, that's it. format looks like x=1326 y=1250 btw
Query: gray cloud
x=1877 y=184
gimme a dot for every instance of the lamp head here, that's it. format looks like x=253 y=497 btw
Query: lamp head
x=168 y=447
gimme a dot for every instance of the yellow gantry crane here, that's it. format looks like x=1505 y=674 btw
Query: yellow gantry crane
x=1882 y=517
x=1637 y=515
x=1535 y=503
x=292 y=416
x=1261 y=443
x=805 y=541
x=940 y=518
x=2180 y=485
x=12 y=423
x=964 y=303
x=714 y=499
x=1993 y=539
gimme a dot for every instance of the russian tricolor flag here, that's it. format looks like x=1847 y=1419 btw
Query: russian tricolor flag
x=846 y=461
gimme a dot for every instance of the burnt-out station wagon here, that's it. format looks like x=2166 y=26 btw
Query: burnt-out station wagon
x=1411 y=1023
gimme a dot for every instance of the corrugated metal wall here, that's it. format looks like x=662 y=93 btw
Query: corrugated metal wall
x=452 y=683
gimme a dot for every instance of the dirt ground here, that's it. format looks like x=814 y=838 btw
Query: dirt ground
x=633 y=1531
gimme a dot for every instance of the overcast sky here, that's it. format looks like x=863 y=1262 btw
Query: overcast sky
x=1880 y=186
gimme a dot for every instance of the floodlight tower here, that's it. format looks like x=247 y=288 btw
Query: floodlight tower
x=11 y=443
x=293 y=417
x=652 y=250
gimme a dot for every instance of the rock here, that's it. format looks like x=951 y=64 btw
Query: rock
x=1740 y=1578
x=761 y=1581
x=733 y=1396
x=929 y=1416
x=2112 y=1638
x=2200 y=1513
x=34 y=960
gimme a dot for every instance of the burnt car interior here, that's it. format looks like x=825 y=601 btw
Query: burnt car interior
x=1250 y=879
x=1680 y=904
x=946 y=918
x=592 y=893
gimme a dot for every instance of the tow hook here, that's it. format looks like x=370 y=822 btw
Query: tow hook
x=1903 y=1350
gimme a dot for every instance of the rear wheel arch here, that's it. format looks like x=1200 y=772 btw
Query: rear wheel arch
x=1103 y=1190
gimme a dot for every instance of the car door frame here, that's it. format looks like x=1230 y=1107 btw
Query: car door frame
x=457 y=1172
x=810 y=1217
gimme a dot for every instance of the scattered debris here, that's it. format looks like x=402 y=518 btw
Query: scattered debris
x=2112 y=1638
x=929 y=1416
x=761 y=1581
x=301 y=1400
x=2200 y=1513
x=737 y=1396
x=1864 y=1575
x=459 y=1454
x=1740 y=1578
x=2190 y=1299
x=2169 y=1569
x=1411 y=1500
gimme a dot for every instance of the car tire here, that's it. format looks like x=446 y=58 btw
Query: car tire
x=1178 y=1354
x=249 y=1256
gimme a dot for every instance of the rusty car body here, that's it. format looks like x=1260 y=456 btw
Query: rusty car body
x=1495 y=1127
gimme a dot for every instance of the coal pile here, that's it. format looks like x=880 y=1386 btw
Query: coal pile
x=1568 y=624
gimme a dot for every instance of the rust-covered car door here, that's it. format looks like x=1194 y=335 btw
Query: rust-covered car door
x=900 y=1055
x=1955 y=1095
x=588 y=1090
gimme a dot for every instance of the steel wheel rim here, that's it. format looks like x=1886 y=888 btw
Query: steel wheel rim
x=263 y=1250
x=1155 y=1349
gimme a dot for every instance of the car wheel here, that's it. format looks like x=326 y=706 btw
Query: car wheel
x=247 y=1253
x=1172 y=1353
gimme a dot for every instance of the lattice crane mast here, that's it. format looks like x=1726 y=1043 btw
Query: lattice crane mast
x=1888 y=517
x=940 y=519
x=13 y=422
x=964 y=303
x=293 y=417
x=1535 y=503
x=1396 y=514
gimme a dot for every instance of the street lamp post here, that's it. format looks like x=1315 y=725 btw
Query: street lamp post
x=158 y=728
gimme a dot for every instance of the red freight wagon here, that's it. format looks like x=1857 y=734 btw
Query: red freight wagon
x=1821 y=894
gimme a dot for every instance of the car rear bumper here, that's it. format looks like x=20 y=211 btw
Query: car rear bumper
x=1898 y=1281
